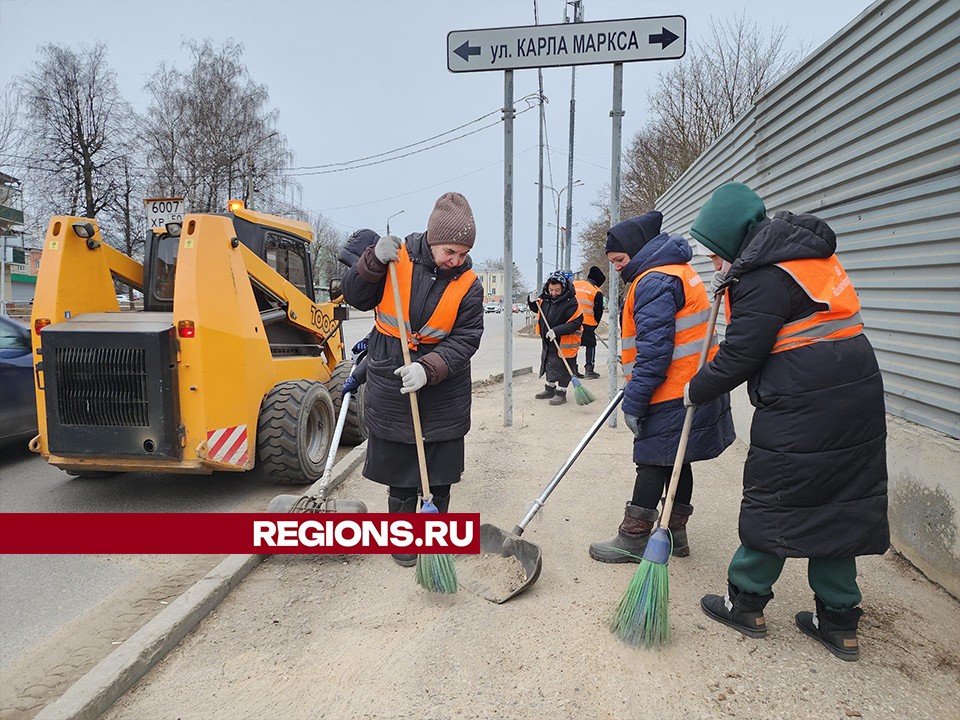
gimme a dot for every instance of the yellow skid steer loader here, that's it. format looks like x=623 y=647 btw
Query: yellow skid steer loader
x=232 y=362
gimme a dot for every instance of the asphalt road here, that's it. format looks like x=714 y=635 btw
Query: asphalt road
x=43 y=595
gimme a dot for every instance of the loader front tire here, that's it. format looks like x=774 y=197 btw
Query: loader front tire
x=294 y=431
x=354 y=430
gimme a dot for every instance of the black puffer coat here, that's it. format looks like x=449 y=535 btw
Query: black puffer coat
x=445 y=400
x=815 y=480
x=557 y=311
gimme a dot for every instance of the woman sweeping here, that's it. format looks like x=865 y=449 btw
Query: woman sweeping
x=442 y=301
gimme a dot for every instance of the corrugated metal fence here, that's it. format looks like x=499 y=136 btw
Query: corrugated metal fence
x=865 y=133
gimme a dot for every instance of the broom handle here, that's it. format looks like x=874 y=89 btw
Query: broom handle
x=414 y=405
x=559 y=351
x=688 y=420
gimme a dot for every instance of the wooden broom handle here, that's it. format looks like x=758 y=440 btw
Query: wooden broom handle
x=559 y=351
x=688 y=420
x=414 y=405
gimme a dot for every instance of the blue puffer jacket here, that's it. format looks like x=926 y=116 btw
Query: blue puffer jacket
x=658 y=297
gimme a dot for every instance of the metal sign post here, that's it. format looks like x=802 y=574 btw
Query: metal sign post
x=539 y=46
x=613 y=319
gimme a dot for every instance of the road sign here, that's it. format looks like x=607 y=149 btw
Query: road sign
x=589 y=43
x=161 y=211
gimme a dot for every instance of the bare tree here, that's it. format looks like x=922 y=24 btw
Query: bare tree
x=694 y=102
x=327 y=243
x=11 y=135
x=210 y=135
x=76 y=129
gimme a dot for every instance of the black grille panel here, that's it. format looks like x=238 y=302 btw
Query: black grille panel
x=102 y=386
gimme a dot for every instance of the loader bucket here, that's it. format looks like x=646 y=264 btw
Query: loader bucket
x=507 y=565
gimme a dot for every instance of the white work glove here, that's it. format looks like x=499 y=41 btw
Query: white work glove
x=551 y=335
x=716 y=285
x=387 y=249
x=632 y=422
x=686 y=397
x=414 y=377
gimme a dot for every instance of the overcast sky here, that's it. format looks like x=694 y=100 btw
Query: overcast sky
x=359 y=77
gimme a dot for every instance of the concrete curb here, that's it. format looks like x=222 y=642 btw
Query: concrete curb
x=499 y=377
x=94 y=693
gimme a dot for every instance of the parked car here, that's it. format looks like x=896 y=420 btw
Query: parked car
x=491 y=307
x=18 y=411
x=516 y=308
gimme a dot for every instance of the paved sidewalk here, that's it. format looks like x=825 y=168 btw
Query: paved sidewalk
x=354 y=637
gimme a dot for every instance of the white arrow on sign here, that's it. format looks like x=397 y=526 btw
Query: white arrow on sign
x=535 y=46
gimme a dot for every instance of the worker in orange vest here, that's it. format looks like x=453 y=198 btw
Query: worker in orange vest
x=591 y=307
x=815 y=479
x=442 y=308
x=664 y=322
x=559 y=335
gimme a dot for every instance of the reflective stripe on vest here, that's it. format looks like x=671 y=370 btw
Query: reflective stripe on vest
x=826 y=282
x=569 y=344
x=690 y=331
x=586 y=296
x=444 y=315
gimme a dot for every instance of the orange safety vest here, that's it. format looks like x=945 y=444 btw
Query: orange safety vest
x=569 y=344
x=827 y=283
x=691 y=329
x=586 y=295
x=441 y=321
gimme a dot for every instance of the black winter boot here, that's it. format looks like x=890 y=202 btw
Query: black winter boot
x=836 y=631
x=740 y=610
x=560 y=397
x=590 y=374
x=548 y=392
x=397 y=505
x=678 y=528
x=631 y=539
x=442 y=503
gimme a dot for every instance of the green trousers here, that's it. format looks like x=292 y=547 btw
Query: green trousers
x=834 y=580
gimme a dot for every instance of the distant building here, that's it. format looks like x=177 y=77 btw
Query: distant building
x=493 y=285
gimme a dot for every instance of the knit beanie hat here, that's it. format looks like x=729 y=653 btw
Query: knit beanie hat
x=725 y=219
x=596 y=276
x=629 y=236
x=451 y=222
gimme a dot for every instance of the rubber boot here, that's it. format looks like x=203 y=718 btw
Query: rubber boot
x=548 y=392
x=590 y=374
x=559 y=397
x=835 y=630
x=631 y=539
x=396 y=505
x=678 y=528
x=740 y=610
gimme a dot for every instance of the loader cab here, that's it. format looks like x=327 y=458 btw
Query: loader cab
x=284 y=252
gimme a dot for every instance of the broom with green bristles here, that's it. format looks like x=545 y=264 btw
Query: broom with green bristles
x=435 y=573
x=580 y=392
x=643 y=616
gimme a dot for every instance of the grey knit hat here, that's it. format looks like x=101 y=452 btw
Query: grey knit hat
x=451 y=222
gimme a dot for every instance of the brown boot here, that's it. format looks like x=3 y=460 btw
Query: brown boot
x=631 y=539
x=678 y=528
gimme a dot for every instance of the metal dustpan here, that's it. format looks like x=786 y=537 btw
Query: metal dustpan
x=495 y=542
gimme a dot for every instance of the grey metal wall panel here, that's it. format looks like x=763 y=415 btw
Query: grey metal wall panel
x=865 y=133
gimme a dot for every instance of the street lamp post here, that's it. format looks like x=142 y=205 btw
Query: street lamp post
x=389 y=218
x=559 y=193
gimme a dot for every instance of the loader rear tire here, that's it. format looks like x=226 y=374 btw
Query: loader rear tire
x=354 y=430
x=294 y=431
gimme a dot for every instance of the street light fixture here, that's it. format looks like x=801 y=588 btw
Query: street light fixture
x=559 y=193
x=389 y=218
